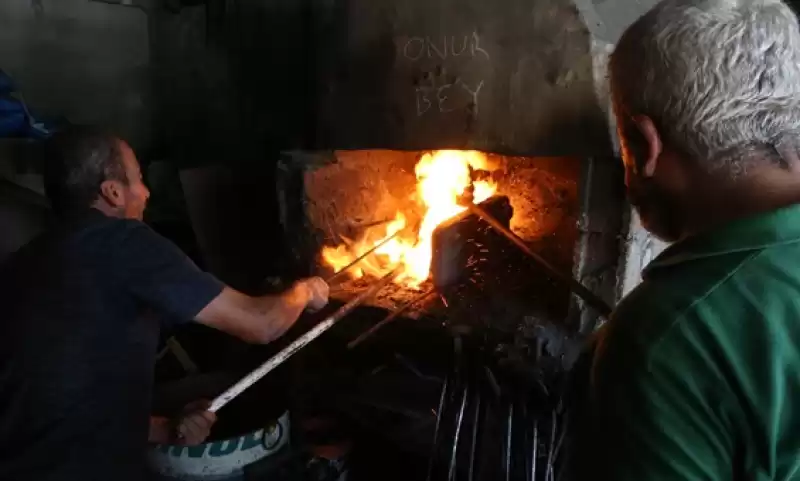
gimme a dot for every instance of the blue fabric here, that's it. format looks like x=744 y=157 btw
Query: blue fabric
x=82 y=310
x=15 y=121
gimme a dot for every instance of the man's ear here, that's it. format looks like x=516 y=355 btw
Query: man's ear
x=654 y=146
x=111 y=192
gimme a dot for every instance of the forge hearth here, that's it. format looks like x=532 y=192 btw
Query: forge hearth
x=338 y=198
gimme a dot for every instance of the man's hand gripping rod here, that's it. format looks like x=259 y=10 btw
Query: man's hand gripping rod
x=314 y=333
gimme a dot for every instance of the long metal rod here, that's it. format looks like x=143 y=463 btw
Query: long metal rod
x=579 y=289
x=439 y=412
x=549 y=468
x=451 y=471
x=535 y=454
x=299 y=343
x=509 y=432
x=476 y=421
x=558 y=445
x=391 y=317
x=360 y=258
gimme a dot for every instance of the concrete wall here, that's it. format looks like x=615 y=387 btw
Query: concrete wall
x=82 y=60
x=607 y=20
x=509 y=76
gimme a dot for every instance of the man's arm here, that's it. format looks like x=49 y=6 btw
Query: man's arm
x=160 y=276
x=657 y=411
x=262 y=319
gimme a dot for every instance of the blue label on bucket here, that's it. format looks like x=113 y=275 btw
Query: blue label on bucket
x=217 y=448
x=252 y=440
x=223 y=448
x=193 y=451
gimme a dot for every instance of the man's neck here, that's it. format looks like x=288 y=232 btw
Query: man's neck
x=106 y=209
x=732 y=199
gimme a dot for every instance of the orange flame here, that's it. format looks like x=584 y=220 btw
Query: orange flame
x=442 y=177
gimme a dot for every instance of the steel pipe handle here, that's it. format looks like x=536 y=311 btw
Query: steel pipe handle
x=299 y=343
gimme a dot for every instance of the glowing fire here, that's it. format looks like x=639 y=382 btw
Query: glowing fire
x=442 y=177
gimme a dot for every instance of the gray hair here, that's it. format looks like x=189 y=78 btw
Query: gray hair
x=77 y=161
x=720 y=78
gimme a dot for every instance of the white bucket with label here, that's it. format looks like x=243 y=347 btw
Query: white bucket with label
x=221 y=459
x=227 y=457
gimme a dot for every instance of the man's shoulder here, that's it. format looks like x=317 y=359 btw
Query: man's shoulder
x=118 y=236
x=668 y=296
x=101 y=244
x=671 y=324
x=116 y=225
x=708 y=295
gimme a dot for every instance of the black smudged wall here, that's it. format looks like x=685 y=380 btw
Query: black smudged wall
x=510 y=76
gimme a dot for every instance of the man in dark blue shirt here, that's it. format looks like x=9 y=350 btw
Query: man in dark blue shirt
x=77 y=345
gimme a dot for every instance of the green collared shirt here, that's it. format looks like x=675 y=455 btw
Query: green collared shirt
x=697 y=374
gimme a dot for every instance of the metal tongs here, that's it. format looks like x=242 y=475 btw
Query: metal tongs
x=589 y=297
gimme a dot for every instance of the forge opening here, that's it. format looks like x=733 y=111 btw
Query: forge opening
x=352 y=200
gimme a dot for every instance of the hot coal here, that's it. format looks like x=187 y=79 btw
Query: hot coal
x=389 y=298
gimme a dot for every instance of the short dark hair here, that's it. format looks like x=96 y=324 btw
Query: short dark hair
x=77 y=160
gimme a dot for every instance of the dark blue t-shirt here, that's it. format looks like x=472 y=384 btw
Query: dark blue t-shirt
x=78 y=344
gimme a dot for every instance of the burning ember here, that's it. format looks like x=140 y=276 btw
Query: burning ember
x=442 y=177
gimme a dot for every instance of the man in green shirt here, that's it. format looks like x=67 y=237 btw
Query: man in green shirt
x=697 y=374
